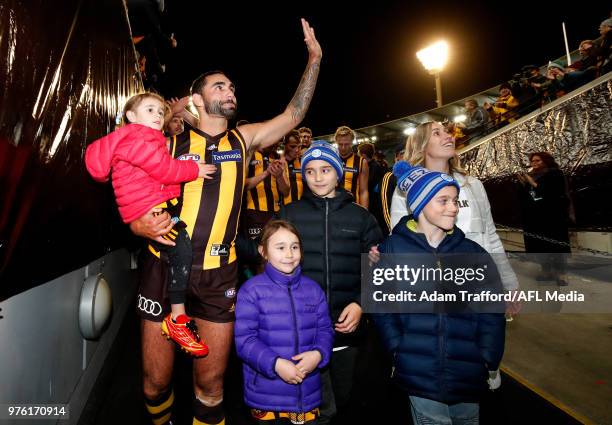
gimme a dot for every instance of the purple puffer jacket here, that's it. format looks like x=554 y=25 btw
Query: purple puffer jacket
x=278 y=315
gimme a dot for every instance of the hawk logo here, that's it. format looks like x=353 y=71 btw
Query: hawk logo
x=219 y=250
x=226 y=156
x=189 y=157
x=232 y=308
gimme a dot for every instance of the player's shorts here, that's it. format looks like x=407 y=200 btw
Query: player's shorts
x=252 y=222
x=211 y=294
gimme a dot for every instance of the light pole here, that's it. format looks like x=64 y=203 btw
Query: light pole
x=433 y=59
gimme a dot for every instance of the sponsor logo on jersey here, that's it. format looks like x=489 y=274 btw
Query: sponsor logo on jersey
x=189 y=157
x=226 y=156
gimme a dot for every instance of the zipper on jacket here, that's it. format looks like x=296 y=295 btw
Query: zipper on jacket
x=297 y=343
x=442 y=350
x=326 y=254
x=438 y=262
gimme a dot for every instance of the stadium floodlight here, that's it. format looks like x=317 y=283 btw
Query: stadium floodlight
x=434 y=58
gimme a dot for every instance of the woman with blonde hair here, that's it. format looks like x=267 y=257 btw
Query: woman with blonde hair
x=432 y=147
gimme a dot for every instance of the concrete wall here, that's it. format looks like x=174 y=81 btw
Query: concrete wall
x=44 y=358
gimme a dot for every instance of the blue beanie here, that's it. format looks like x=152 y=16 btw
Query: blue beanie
x=320 y=149
x=420 y=184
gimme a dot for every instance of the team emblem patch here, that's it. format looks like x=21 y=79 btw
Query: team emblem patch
x=219 y=250
x=316 y=153
x=446 y=177
x=226 y=156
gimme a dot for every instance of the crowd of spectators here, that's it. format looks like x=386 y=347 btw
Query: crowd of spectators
x=532 y=87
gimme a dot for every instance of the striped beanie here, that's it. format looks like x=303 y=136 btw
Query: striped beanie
x=420 y=184
x=320 y=149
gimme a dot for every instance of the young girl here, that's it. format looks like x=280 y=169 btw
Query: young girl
x=144 y=176
x=283 y=333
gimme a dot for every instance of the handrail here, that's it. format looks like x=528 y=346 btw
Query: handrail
x=547 y=107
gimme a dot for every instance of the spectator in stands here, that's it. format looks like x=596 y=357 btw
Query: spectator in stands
x=503 y=110
x=588 y=57
x=560 y=82
x=477 y=119
x=604 y=50
x=546 y=214
x=149 y=39
x=523 y=89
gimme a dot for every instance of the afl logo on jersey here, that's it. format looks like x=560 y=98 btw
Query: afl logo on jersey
x=189 y=157
x=225 y=156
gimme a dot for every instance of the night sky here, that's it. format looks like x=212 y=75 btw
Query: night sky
x=369 y=72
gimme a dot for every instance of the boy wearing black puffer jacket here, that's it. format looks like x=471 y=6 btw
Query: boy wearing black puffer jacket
x=335 y=232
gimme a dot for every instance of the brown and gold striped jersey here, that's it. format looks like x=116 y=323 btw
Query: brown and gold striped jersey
x=296 y=185
x=211 y=207
x=265 y=196
x=352 y=167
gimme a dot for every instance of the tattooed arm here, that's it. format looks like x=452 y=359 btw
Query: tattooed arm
x=261 y=135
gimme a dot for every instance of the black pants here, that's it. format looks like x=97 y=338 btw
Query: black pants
x=179 y=263
x=337 y=383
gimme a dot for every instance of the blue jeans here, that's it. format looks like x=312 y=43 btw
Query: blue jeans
x=430 y=412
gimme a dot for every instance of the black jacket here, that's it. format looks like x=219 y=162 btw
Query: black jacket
x=335 y=232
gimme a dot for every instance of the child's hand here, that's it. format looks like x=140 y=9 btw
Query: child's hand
x=349 y=318
x=206 y=170
x=308 y=361
x=288 y=371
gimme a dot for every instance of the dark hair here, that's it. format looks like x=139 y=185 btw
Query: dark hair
x=546 y=159
x=292 y=133
x=272 y=227
x=200 y=82
x=472 y=102
x=366 y=149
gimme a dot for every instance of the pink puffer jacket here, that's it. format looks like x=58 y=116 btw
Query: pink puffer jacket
x=143 y=172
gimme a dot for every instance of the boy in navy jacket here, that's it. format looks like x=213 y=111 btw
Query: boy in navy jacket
x=442 y=360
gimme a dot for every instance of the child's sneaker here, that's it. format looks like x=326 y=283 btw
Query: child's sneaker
x=184 y=332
